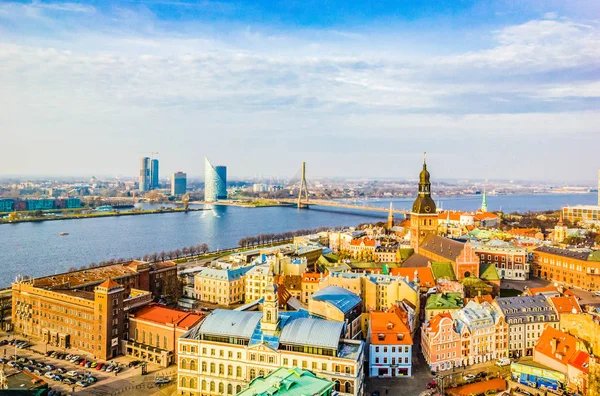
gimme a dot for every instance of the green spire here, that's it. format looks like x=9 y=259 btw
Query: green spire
x=385 y=269
x=484 y=202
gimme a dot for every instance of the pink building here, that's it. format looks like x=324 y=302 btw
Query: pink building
x=441 y=343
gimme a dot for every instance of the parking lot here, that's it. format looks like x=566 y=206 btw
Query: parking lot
x=66 y=373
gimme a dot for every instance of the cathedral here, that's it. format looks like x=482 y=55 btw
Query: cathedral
x=428 y=245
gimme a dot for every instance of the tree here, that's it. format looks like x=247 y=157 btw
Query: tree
x=204 y=248
x=593 y=381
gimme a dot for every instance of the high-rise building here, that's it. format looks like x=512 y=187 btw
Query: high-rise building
x=215 y=182
x=154 y=175
x=145 y=181
x=178 y=183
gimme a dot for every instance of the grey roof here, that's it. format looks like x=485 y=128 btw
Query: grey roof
x=416 y=260
x=564 y=252
x=224 y=322
x=224 y=274
x=515 y=309
x=445 y=247
x=342 y=299
x=313 y=332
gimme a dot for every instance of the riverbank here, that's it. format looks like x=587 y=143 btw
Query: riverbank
x=95 y=215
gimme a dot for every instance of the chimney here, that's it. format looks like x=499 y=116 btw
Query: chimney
x=553 y=343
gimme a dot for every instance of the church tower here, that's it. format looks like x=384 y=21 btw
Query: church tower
x=484 y=203
x=270 y=318
x=423 y=217
x=390 y=222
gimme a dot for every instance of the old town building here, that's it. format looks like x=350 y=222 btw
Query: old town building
x=527 y=317
x=423 y=216
x=390 y=347
x=511 y=262
x=92 y=321
x=229 y=349
x=154 y=331
x=339 y=304
x=221 y=286
x=441 y=343
x=576 y=268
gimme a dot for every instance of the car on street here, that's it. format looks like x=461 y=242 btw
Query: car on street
x=68 y=381
x=118 y=369
x=61 y=370
x=162 y=380
x=83 y=362
x=49 y=375
x=432 y=385
x=94 y=364
x=110 y=368
x=50 y=367
x=72 y=373
x=503 y=362
x=83 y=384
x=99 y=366
x=469 y=377
x=58 y=378
x=88 y=364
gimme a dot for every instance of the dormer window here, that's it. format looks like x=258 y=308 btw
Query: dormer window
x=400 y=337
x=381 y=336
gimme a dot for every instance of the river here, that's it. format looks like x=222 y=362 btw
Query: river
x=37 y=248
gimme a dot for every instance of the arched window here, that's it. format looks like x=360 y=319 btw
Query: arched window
x=348 y=387
x=165 y=342
x=261 y=373
x=150 y=338
x=229 y=389
x=221 y=369
x=269 y=316
x=229 y=370
x=204 y=366
x=212 y=367
x=252 y=373
x=183 y=364
x=143 y=336
x=203 y=384
x=212 y=386
x=338 y=386
x=238 y=371
x=192 y=383
x=221 y=388
x=238 y=389
x=183 y=382
x=192 y=365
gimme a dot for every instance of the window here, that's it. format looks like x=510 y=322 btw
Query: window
x=238 y=371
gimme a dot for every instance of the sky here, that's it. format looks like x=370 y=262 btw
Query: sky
x=489 y=89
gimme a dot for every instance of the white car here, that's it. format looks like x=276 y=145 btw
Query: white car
x=503 y=362
x=469 y=377
x=72 y=373
x=597 y=294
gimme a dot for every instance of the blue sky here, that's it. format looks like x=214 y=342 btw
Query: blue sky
x=490 y=89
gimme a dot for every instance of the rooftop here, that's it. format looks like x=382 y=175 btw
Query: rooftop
x=387 y=328
x=424 y=274
x=445 y=301
x=556 y=345
x=524 y=306
x=567 y=304
x=86 y=277
x=342 y=299
x=223 y=322
x=288 y=382
x=577 y=255
x=445 y=247
x=442 y=270
x=163 y=315
x=224 y=274
x=317 y=332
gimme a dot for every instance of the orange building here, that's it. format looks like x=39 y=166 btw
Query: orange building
x=92 y=321
x=390 y=344
x=580 y=269
x=154 y=330
x=441 y=343
x=310 y=285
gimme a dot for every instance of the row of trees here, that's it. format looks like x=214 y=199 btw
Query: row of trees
x=271 y=238
x=155 y=257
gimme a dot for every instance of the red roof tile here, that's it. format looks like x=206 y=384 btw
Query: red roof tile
x=564 y=350
x=581 y=361
x=424 y=273
x=163 y=315
x=109 y=284
x=386 y=328
x=566 y=304
x=367 y=242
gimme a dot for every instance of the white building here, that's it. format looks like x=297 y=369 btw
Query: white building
x=229 y=349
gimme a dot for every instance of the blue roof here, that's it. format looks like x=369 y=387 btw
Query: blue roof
x=342 y=299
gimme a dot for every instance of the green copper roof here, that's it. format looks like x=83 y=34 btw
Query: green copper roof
x=406 y=253
x=445 y=301
x=488 y=272
x=442 y=270
x=288 y=382
x=594 y=256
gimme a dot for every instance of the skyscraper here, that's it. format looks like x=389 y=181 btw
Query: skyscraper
x=215 y=182
x=145 y=181
x=178 y=183
x=154 y=175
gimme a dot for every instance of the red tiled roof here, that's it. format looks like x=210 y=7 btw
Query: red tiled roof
x=109 y=284
x=566 y=345
x=454 y=216
x=485 y=215
x=311 y=277
x=480 y=299
x=385 y=328
x=163 y=315
x=434 y=323
x=424 y=273
x=367 y=242
x=566 y=304
x=580 y=361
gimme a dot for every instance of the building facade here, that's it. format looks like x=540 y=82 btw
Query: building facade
x=582 y=213
x=215 y=182
x=229 y=349
x=390 y=347
x=154 y=176
x=423 y=217
x=511 y=262
x=527 y=317
x=441 y=343
x=178 y=183
x=221 y=286
x=576 y=268
x=145 y=179
x=154 y=331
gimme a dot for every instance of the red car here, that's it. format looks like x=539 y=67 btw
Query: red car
x=82 y=363
x=99 y=366
x=432 y=385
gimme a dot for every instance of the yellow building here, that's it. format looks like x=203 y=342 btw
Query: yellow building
x=257 y=280
x=224 y=353
x=221 y=286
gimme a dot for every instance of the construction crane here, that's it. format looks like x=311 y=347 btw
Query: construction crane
x=149 y=152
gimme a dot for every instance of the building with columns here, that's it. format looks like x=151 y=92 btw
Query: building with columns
x=229 y=349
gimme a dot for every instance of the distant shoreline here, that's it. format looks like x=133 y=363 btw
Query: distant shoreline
x=96 y=215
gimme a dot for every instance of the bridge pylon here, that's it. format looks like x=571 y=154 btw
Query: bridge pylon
x=303 y=189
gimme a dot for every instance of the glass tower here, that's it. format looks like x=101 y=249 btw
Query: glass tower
x=178 y=183
x=215 y=182
x=154 y=175
x=144 y=182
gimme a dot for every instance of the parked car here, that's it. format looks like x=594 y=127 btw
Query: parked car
x=49 y=375
x=110 y=368
x=134 y=363
x=58 y=378
x=31 y=361
x=94 y=364
x=83 y=384
x=21 y=360
x=12 y=363
x=38 y=372
x=165 y=380
x=99 y=366
x=68 y=381
x=72 y=373
x=40 y=365
x=50 y=367
x=61 y=370
x=597 y=294
x=432 y=385
x=469 y=377
x=118 y=369
x=91 y=379
x=480 y=374
x=503 y=362
x=82 y=362
x=27 y=368
x=88 y=364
